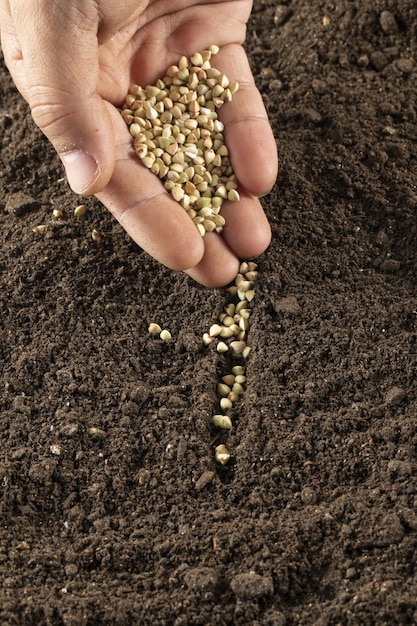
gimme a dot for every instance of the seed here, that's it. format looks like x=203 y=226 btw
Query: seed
x=177 y=193
x=226 y=404
x=250 y=295
x=246 y=352
x=229 y=379
x=222 y=454
x=243 y=324
x=57 y=213
x=154 y=328
x=80 y=210
x=245 y=285
x=196 y=59
x=207 y=340
x=237 y=347
x=242 y=305
x=215 y=330
x=223 y=390
x=96 y=237
x=238 y=370
x=222 y=347
x=40 y=229
x=240 y=379
x=237 y=389
x=165 y=335
x=222 y=421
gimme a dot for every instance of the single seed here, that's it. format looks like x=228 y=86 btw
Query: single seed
x=222 y=347
x=250 y=295
x=238 y=370
x=237 y=347
x=57 y=213
x=226 y=404
x=245 y=285
x=222 y=454
x=223 y=390
x=96 y=237
x=238 y=389
x=228 y=320
x=229 y=379
x=243 y=324
x=80 y=210
x=165 y=335
x=40 y=229
x=246 y=352
x=154 y=328
x=242 y=305
x=207 y=340
x=215 y=330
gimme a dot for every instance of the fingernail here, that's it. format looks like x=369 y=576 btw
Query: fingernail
x=81 y=169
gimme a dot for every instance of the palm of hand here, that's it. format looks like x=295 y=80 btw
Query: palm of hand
x=105 y=46
x=148 y=47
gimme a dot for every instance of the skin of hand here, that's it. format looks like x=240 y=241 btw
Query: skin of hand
x=74 y=60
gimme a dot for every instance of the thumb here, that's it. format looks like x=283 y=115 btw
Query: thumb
x=59 y=59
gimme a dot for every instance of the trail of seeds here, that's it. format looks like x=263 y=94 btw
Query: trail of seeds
x=178 y=136
x=231 y=333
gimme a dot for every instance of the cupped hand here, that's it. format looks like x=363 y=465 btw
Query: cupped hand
x=74 y=61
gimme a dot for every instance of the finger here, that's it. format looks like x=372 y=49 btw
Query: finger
x=138 y=200
x=248 y=133
x=58 y=74
x=219 y=265
x=247 y=231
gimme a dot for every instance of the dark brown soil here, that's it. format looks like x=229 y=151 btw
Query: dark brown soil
x=314 y=521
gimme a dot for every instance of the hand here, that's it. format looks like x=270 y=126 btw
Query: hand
x=74 y=60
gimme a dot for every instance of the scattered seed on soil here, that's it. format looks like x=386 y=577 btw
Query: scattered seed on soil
x=40 y=229
x=222 y=421
x=178 y=136
x=96 y=237
x=80 y=210
x=165 y=335
x=154 y=328
x=222 y=454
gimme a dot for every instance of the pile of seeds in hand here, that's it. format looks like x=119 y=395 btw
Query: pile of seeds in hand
x=231 y=335
x=178 y=136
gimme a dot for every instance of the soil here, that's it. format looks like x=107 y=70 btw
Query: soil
x=113 y=509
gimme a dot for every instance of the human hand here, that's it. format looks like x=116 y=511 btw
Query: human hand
x=74 y=60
